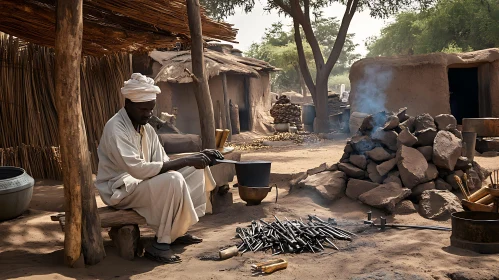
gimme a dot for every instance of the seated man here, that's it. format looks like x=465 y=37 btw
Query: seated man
x=135 y=172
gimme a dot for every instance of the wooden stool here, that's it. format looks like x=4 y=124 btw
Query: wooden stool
x=124 y=231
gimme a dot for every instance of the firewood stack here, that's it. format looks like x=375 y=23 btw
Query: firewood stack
x=286 y=112
x=407 y=156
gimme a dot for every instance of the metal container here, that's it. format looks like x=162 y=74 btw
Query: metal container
x=484 y=127
x=282 y=127
x=251 y=173
x=308 y=114
x=16 y=190
x=254 y=195
x=469 y=139
x=476 y=231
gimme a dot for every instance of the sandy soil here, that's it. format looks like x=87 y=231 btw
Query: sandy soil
x=31 y=246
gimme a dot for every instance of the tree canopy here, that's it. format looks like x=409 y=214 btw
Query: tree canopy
x=279 y=49
x=449 y=26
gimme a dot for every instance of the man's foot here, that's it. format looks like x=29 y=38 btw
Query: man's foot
x=162 y=253
x=187 y=239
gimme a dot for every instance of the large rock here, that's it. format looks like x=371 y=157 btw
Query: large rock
x=474 y=181
x=373 y=173
x=405 y=207
x=446 y=150
x=357 y=187
x=386 y=166
x=348 y=148
x=385 y=196
x=379 y=154
x=387 y=138
x=391 y=123
x=445 y=122
x=483 y=173
x=297 y=178
x=423 y=122
x=427 y=152
x=392 y=179
x=431 y=172
x=463 y=163
x=456 y=133
x=412 y=167
x=321 y=168
x=419 y=189
x=426 y=136
x=362 y=144
x=409 y=124
x=359 y=160
x=407 y=138
x=438 y=204
x=330 y=185
x=402 y=114
x=440 y=184
x=351 y=170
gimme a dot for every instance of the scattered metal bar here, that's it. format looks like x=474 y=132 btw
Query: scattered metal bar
x=291 y=236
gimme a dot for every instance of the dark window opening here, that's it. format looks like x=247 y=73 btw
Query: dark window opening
x=463 y=87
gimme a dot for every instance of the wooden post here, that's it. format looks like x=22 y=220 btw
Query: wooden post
x=226 y=105
x=82 y=222
x=202 y=92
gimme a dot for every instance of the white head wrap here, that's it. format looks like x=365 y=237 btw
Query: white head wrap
x=140 y=88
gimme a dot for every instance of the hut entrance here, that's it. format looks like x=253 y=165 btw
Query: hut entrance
x=464 y=93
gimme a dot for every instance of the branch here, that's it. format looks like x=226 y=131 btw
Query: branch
x=342 y=34
x=194 y=78
x=305 y=72
x=309 y=32
x=284 y=7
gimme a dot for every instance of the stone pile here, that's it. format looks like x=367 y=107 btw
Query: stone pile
x=396 y=160
x=395 y=156
x=287 y=113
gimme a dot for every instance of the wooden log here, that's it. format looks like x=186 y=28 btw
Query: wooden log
x=486 y=200
x=225 y=136
x=126 y=239
x=67 y=85
x=82 y=231
x=473 y=206
x=110 y=217
x=202 y=92
x=478 y=194
x=226 y=106
x=218 y=136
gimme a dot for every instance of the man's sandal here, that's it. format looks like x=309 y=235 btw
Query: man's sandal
x=187 y=239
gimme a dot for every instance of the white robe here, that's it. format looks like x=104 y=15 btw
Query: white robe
x=127 y=178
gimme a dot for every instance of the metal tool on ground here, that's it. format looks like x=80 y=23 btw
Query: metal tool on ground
x=269 y=266
x=383 y=225
x=291 y=236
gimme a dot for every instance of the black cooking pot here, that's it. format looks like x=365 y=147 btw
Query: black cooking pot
x=251 y=173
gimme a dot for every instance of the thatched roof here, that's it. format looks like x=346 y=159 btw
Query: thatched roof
x=111 y=25
x=174 y=64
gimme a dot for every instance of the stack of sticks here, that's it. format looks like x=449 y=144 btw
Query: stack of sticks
x=295 y=236
x=485 y=199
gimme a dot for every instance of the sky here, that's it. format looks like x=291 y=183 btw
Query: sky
x=252 y=26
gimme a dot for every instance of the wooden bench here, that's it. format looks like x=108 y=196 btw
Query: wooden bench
x=124 y=231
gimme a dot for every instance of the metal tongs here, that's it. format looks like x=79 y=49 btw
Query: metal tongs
x=383 y=225
x=269 y=266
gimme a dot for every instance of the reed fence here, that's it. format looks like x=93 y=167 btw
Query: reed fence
x=28 y=118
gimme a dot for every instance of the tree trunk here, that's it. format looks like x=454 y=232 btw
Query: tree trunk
x=320 y=102
x=202 y=92
x=76 y=167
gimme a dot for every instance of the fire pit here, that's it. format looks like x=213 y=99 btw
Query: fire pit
x=476 y=231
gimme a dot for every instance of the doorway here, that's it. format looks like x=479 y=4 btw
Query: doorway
x=464 y=93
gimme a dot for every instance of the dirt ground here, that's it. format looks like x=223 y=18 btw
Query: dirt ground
x=31 y=246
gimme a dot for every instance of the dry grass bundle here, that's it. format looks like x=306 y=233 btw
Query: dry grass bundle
x=28 y=117
x=111 y=26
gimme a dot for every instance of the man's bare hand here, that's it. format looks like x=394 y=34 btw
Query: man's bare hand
x=213 y=154
x=198 y=161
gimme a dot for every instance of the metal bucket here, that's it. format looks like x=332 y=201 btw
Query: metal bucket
x=469 y=139
x=476 y=231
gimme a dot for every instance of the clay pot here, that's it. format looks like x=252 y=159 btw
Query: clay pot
x=16 y=190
